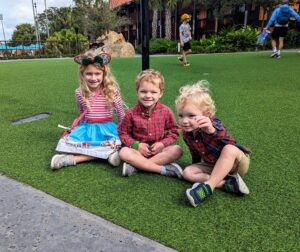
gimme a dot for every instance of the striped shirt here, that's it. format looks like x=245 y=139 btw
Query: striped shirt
x=100 y=108
x=139 y=125
x=207 y=147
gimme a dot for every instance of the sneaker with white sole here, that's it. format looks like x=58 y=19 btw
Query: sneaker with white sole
x=274 y=54
x=198 y=193
x=235 y=184
x=114 y=159
x=180 y=59
x=128 y=170
x=59 y=161
x=174 y=170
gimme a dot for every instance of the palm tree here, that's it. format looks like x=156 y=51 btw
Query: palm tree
x=169 y=6
x=156 y=6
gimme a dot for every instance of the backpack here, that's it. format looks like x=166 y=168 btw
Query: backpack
x=283 y=16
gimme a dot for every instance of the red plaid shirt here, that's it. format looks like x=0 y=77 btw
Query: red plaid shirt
x=139 y=125
x=207 y=147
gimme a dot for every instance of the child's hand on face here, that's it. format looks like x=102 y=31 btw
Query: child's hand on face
x=204 y=123
x=144 y=149
x=156 y=148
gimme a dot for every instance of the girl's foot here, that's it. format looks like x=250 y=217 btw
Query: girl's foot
x=114 y=159
x=59 y=161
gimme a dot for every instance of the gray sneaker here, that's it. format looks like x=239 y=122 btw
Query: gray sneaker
x=114 y=159
x=128 y=170
x=59 y=161
x=174 y=170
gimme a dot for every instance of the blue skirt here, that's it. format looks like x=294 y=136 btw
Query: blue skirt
x=95 y=133
x=91 y=139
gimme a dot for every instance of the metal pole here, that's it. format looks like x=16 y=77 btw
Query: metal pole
x=37 y=24
x=47 y=21
x=1 y=18
x=36 y=32
x=145 y=34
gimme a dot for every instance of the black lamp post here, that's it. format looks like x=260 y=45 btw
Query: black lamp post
x=76 y=31
x=145 y=34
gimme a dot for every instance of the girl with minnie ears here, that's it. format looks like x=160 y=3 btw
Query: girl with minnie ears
x=94 y=134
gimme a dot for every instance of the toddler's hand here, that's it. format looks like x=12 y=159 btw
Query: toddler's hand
x=144 y=150
x=205 y=124
x=156 y=148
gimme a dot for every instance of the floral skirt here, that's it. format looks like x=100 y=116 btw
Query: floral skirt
x=91 y=139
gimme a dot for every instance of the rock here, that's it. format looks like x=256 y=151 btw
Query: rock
x=115 y=44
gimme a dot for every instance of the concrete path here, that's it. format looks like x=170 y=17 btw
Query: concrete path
x=31 y=220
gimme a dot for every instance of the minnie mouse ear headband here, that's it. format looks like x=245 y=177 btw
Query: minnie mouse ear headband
x=101 y=59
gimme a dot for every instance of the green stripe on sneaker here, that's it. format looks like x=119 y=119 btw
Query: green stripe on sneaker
x=203 y=192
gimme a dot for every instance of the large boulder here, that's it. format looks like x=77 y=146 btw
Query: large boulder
x=115 y=44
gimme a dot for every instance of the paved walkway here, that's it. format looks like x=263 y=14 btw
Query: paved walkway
x=31 y=220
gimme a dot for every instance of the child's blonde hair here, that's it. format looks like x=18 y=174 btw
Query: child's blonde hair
x=109 y=84
x=197 y=94
x=152 y=76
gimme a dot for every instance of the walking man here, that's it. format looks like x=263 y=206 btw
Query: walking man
x=280 y=20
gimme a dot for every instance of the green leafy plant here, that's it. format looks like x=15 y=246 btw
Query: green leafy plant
x=66 y=42
x=243 y=39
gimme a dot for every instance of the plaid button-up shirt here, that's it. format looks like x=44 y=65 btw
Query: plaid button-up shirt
x=139 y=125
x=207 y=147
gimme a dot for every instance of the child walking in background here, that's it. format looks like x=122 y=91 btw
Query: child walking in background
x=185 y=38
x=148 y=131
x=218 y=160
x=98 y=96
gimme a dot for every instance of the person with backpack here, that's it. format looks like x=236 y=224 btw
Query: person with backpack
x=280 y=20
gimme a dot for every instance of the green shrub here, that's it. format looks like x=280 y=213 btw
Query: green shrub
x=159 y=45
x=231 y=39
x=292 y=39
x=243 y=39
x=66 y=42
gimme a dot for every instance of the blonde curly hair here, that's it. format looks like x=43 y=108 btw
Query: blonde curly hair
x=109 y=84
x=197 y=94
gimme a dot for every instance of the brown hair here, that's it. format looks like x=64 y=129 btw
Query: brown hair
x=152 y=76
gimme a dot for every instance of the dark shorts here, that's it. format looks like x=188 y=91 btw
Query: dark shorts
x=279 y=32
x=186 y=46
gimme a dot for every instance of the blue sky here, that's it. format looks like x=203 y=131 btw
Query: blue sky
x=17 y=12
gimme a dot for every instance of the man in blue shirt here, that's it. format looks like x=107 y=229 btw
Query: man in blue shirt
x=280 y=21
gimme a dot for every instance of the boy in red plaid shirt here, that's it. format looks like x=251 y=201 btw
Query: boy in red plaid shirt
x=218 y=160
x=148 y=131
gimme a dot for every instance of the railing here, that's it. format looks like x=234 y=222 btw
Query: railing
x=44 y=49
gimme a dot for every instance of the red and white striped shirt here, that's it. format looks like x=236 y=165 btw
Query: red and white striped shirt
x=100 y=108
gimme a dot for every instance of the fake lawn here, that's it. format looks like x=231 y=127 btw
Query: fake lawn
x=257 y=98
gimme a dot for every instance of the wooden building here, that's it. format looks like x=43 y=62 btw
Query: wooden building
x=203 y=22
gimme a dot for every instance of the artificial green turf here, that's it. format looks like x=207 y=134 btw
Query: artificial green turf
x=257 y=98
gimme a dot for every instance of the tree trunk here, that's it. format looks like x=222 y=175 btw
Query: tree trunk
x=194 y=19
x=154 y=23
x=216 y=24
x=168 y=26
